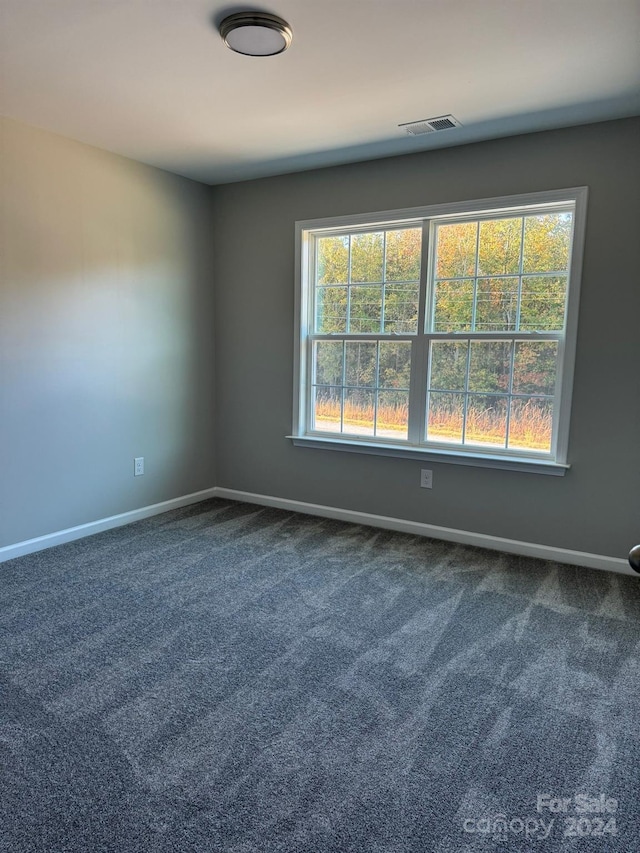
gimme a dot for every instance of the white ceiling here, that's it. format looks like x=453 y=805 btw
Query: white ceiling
x=151 y=79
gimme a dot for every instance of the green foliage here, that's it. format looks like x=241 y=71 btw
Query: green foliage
x=547 y=240
x=367 y=257
x=456 y=255
x=449 y=365
x=534 y=366
x=401 y=308
x=391 y=259
x=333 y=260
x=453 y=310
x=490 y=366
x=328 y=362
x=496 y=304
x=383 y=364
x=365 y=308
x=542 y=305
x=331 y=310
x=403 y=255
x=499 y=246
x=500 y=252
x=394 y=364
x=360 y=363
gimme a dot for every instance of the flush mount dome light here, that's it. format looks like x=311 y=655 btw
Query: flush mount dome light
x=256 y=33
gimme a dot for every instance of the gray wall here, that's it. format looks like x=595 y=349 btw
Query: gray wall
x=106 y=338
x=594 y=507
x=106 y=344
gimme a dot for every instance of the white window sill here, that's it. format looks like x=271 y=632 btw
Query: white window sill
x=512 y=463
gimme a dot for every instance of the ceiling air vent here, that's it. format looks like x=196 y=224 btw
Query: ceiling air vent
x=430 y=125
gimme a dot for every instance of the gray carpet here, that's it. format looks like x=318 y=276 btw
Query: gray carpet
x=243 y=680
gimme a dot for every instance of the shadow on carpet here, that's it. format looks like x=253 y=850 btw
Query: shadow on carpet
x=235 y=679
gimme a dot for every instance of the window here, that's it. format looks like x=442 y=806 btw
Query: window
x=447 y=331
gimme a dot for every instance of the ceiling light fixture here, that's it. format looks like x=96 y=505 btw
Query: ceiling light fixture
x=256 y=33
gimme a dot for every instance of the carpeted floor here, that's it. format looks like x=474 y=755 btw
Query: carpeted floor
x=243 y=680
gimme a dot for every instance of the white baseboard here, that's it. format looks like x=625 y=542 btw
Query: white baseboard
x=29 y=546
x=449 y=534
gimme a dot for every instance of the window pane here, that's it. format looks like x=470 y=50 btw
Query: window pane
x=445 y=417
x=395 y=364
x=360 y=368
x=547 y=239
x=359 y=411
x=486 y=420
x=497 y=304
x=531 y=423
x=453 y=306
x=367 y=251
x=448 y=365
x=327 y=409
x=331 y=309
x=403 y=255
x=328 y=363
x=534 y=367
x=499 y=248
x=401 y=308
x=333 y=260
x=365 y=309
x=490 y=366
x=543 y=301
x=456 y=250
x=392 y=418
x=505 y=275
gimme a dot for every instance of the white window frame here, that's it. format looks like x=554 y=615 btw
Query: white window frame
x=427 y=217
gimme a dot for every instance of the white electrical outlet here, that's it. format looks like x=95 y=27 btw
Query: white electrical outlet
x=426 y=478
x=138 y=466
